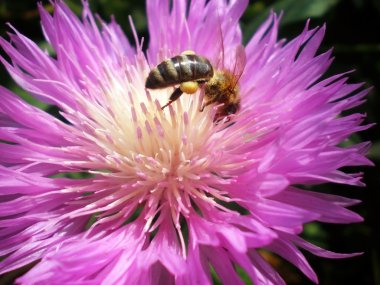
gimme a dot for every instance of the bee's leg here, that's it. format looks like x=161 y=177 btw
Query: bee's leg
x=204 y=105
x=175 y=95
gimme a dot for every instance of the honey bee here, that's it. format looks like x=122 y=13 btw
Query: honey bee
x=192 y=71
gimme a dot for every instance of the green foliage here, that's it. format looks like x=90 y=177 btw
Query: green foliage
x=294 y=11
x=374 y=152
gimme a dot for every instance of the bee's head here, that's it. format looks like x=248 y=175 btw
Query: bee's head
x=231 y=108
x=223 y=81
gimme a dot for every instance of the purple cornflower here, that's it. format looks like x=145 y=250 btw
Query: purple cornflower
x=167 y=195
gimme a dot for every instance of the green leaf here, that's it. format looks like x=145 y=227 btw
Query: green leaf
x=294 y=11
x=374 y=152
x=244 y=275
x=27 y=97
x=215 y=278
x=352 y=140
x=75 y=6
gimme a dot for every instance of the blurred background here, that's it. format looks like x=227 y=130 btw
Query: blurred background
x=353 y=29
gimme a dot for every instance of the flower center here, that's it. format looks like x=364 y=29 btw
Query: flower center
x=176 y=158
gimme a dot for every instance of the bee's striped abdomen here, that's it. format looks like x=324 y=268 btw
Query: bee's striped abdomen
x=179 y=69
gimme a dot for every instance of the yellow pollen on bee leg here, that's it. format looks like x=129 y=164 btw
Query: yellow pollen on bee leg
x=189 y=87
x=188 y=52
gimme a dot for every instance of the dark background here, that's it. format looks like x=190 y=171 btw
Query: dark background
x=353 y=29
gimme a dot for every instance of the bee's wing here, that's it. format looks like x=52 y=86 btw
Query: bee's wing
x=240 y=62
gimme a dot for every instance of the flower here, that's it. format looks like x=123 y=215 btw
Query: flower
x=166 y=195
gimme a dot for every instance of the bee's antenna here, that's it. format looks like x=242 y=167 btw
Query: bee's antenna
x=240 y=62
x=220 y=30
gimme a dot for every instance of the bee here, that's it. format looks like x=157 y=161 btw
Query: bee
x=191 y=71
